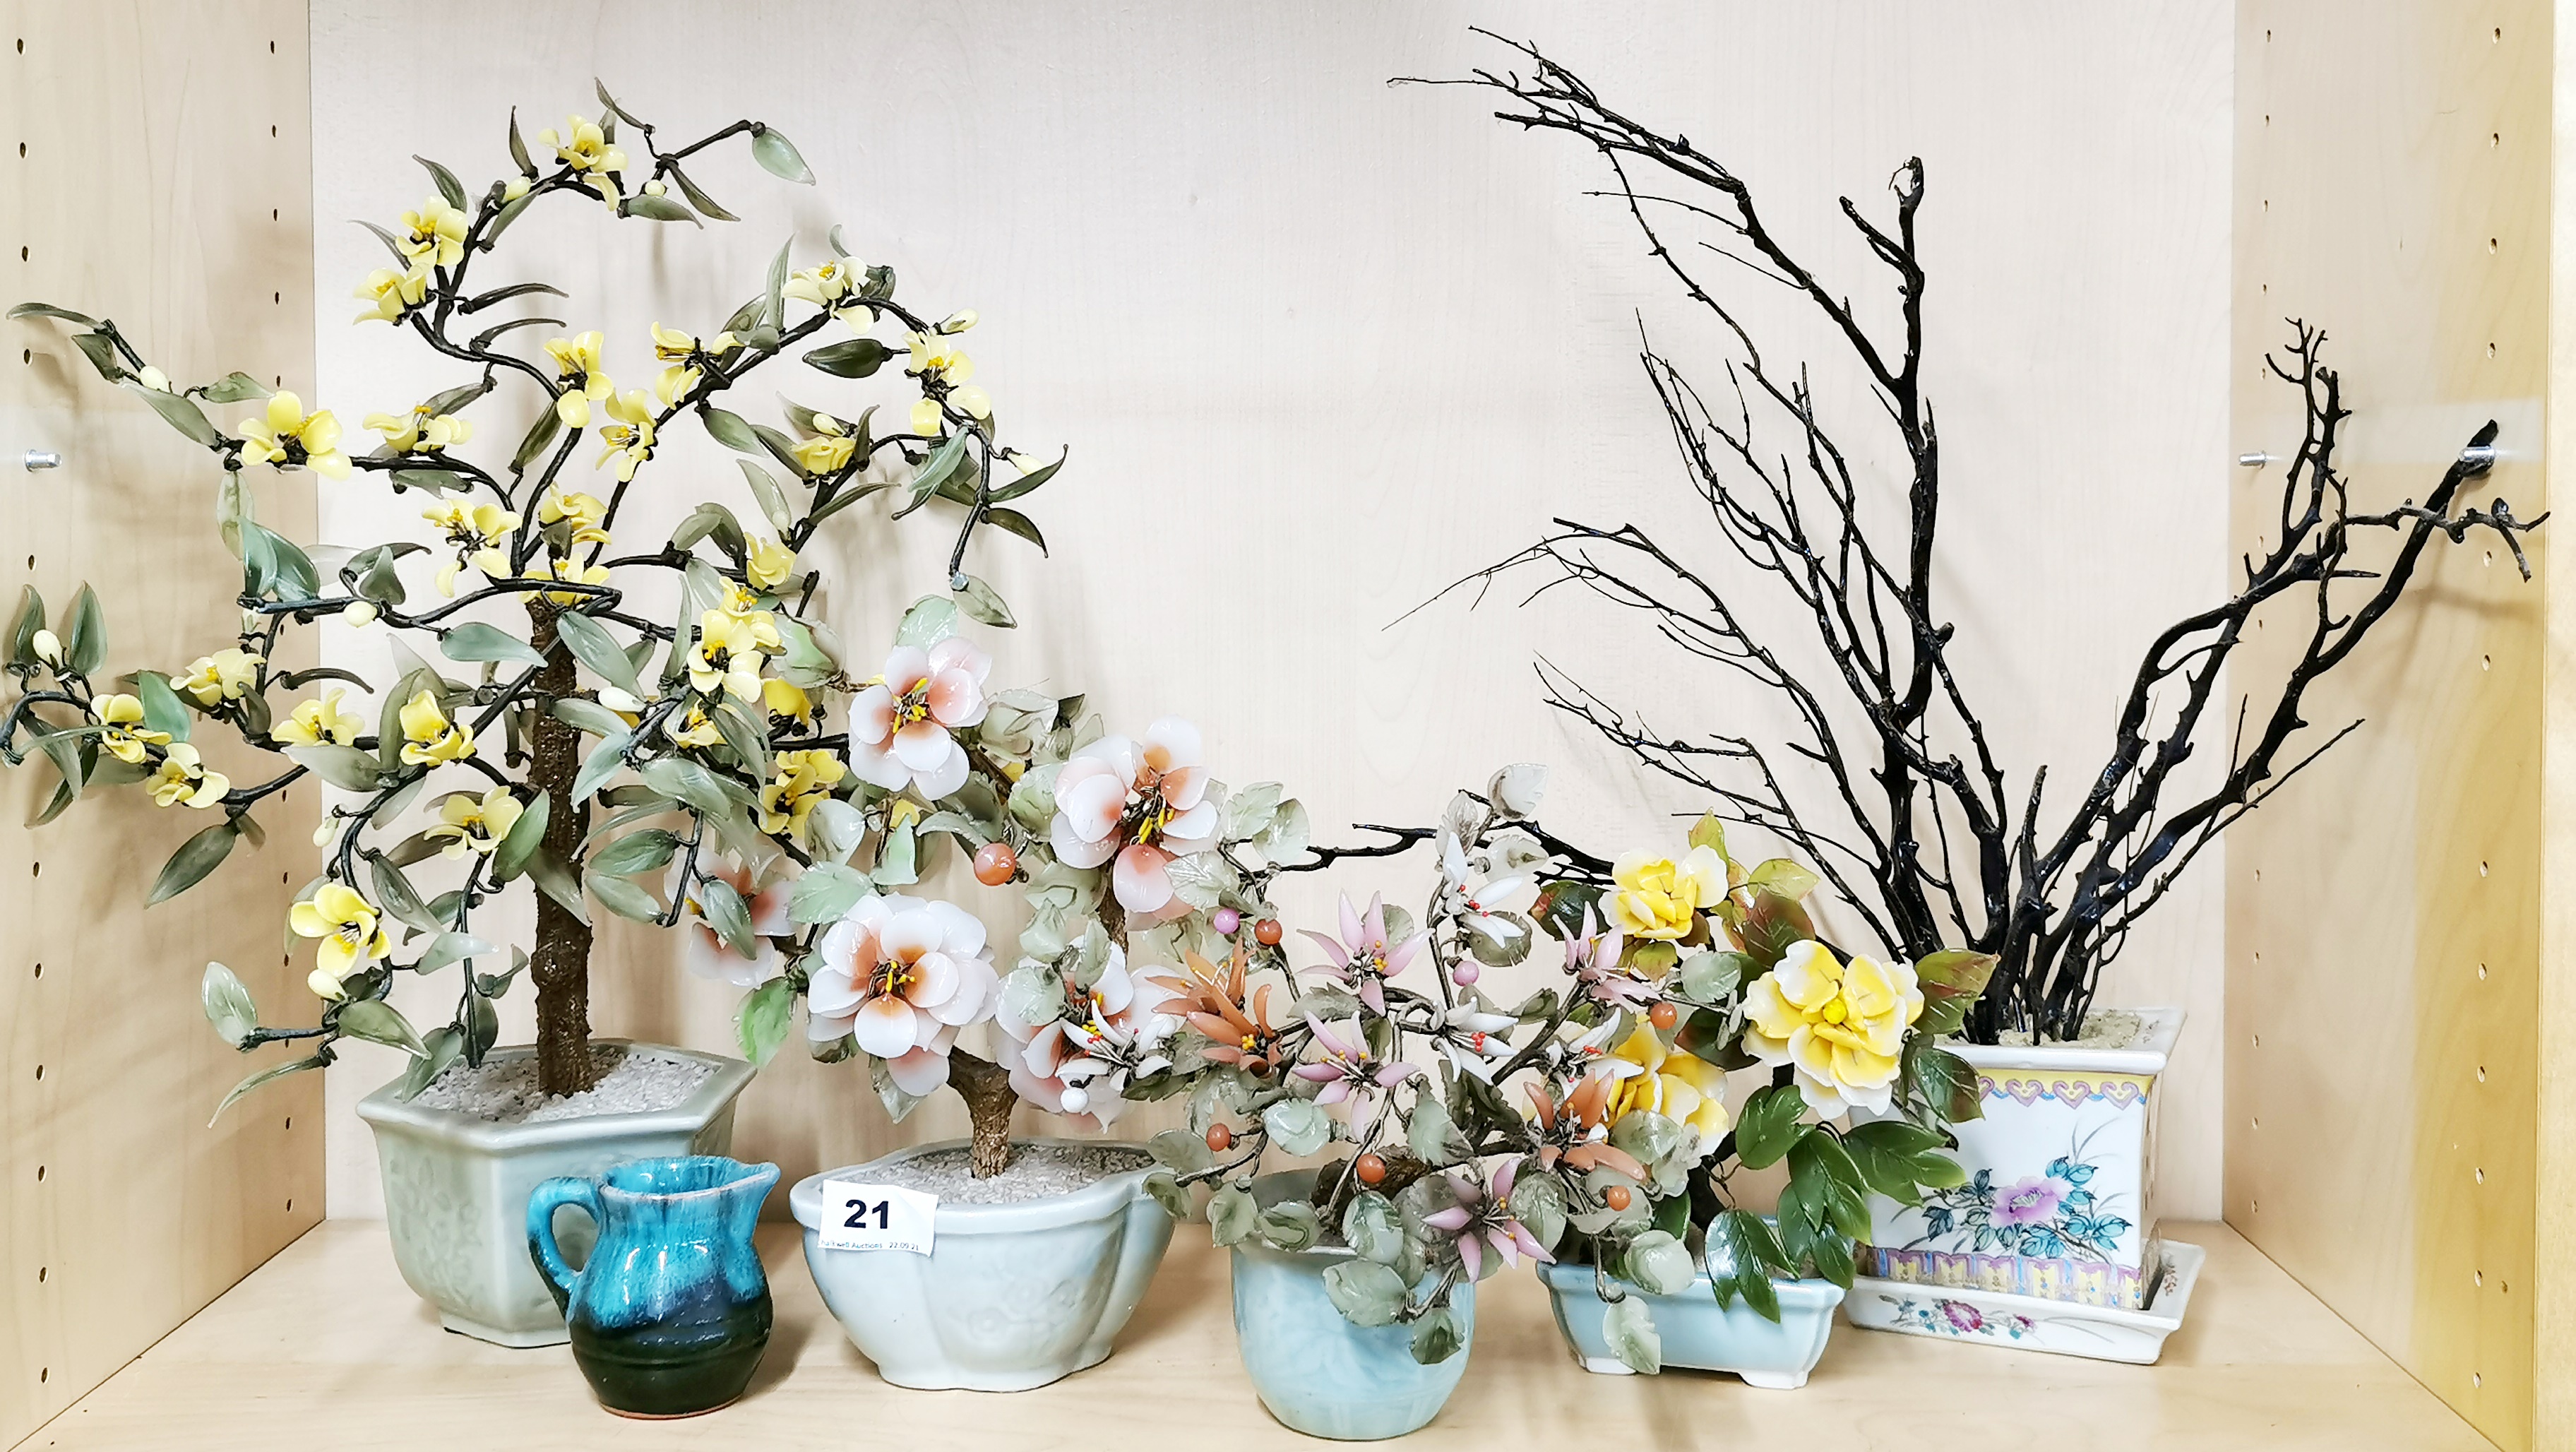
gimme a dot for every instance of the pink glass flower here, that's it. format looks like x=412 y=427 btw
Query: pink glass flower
x=1348 y=1071
x=903 y=976
x=1121 y=1011
x=708 y=955
x=1593 y=959
x=2032 y=1202
x=1362 y=960
x=900 y=725
x=1142 y=803
x=1480 y=1220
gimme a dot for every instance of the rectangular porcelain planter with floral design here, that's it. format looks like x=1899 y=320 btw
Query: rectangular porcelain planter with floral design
x=2058 y=1203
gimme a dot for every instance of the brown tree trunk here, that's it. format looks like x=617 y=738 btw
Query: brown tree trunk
x=561 y=963
x=986 y=1088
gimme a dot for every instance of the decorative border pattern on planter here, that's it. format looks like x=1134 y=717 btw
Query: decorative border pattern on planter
x=2031 y=1323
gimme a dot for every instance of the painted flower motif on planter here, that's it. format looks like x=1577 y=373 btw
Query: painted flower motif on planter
x=902 y=976
x=1841 y=1024
x=1958 y=1318
x=1119 y=1007
x=902 y=726
x=2050 y=1216
x=1362 y=959
x=1141 y=804
x=1481 y=1221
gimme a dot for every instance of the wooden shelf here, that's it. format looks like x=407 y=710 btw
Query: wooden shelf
x=324 y=1345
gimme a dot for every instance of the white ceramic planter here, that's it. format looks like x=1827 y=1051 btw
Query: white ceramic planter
x=457 y=1187
x=2028 y=1323
x=2058 y=1205
x=1699 y=1334
x=1010 y=1296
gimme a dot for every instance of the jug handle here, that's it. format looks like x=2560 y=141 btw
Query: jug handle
x=559 y=1191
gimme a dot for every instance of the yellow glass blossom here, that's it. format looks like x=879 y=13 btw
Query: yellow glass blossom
x=699 y=729
x=770 y=564
x=630 y=439
x=937 y=355
x=346 y=924
x=586 y=511
x=573 y=572
x=429 y=738
x=577 y=364
x=126 y=739
x=679 y=350
x=958 y=321
x=584 y=146
x=824 y=285
x=420 y=430
x=829 y=449
x=478 y=532
x=315 y=722
x=227 y=675
x=741 y=605
x=783 y=698
x=1841 y=1024
x=727 y=656
x=475 y=826
x=802 y=779
x=184 y=778
x=437 y=234
x=287 y=435
x=1681 y=1087
x=390 y=294
x=1658 y=897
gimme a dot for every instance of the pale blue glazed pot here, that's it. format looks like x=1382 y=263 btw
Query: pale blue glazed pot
x=1698 y=1333
x=1011 y=1296
x=669 y=1315
x=1315 y=1371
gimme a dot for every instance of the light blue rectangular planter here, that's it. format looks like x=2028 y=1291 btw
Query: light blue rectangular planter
x=1315 y=1371
x=1698 y=1333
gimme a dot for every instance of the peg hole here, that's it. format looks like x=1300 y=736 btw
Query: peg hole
x=2486 y=662
x=40 y=1174
x=2477 y=1278
x=2494 y=138
x=2482 y=1073
x=2482 y=869
x=41 y=1273
x=2258 y=1041
x=2482 y=973
x=40 y=1073
x=2476 y=1380
x=2480 y=1175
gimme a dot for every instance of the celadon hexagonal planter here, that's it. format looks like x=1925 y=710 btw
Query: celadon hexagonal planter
x=1011 y=1296
x=457 y=1188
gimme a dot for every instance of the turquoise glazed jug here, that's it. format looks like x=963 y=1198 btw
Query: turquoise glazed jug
x=669 y=1315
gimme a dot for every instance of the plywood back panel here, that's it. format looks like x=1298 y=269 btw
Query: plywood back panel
x=2383 y=914
x=152 y=170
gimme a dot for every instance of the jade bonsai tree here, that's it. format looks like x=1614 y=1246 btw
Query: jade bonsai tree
x=1923 y=829
x=1588 y=1121
x=540 y=724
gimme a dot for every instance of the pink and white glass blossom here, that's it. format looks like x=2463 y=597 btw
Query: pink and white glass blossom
x=902 y=726
x=903 y=975
x=1141 y=804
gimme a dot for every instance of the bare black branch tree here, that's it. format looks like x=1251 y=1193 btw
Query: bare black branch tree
x=1933 y=842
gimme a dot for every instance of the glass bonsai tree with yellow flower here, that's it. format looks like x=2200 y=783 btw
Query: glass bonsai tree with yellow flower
x=641 y=726
x=1588 y=1122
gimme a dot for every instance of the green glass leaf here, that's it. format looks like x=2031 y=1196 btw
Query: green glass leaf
x=448 y=186
x=228 y=1004
x=643 y=851
x=588 y=715
x=773 y=500
x=624 y=897
x=1232 y=1215
x=594 y=647
x=1366 y=1293
x=699 y=199
x=379 y=1022
x=658 y=209
x=1629 y=1327
x=86 y=648
x=48 y=310
x=761 y=1024
x=399 y=898
x=196 y=857
x=525 y=836
x=181 y=413
x=22 y=629
x=1768 y=1125
x=260 y=1077
x=825 y=892
x=855 y=358
x=979 y=600
x=1297 y=1126
x=345 y=767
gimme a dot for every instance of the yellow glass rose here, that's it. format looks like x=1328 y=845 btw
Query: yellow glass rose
x=1658 y=897
x=429 y=738
x=184 y=778
x=350 y=936
x=125 y=739
x=315 y=722
x=1842 y=1025
x=1681 y=1087
x=227 y=675
x=475 y=825
x=266 y=438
